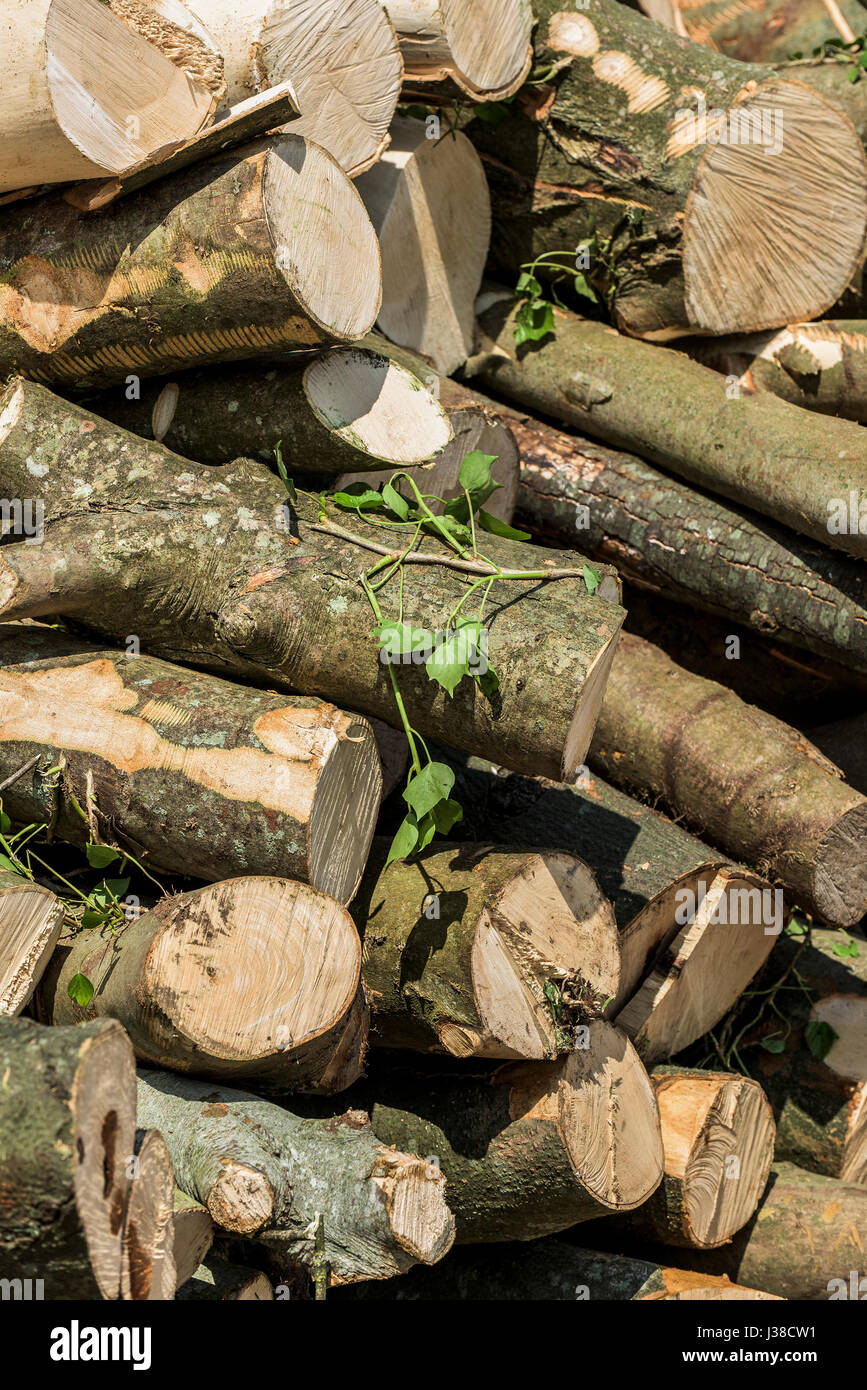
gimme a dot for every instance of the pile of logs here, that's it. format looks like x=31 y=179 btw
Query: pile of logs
x=378 y=877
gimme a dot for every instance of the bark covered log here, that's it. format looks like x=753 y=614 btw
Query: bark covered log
x=173 y=274
x=761 y=452
x=202 y=776
x=252 y=583
x=31 y=920
x=765 y=31
x=484 y=47
x=254 y=978
x=256 y=1165
x=465 y=947
x=709 y=186
x=750 y=783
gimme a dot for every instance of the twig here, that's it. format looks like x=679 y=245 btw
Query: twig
x=13 y=777
x=416 y=557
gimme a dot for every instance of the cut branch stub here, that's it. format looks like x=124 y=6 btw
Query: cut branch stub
x=483 y=46
x=31 y=920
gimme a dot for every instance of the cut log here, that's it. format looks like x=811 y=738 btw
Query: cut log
x=482 y=45
x=693 y=548
x=149 y=1271
x=341 y=56
x=482 y=953
x=257 y=1165
x=172 y=274
x=763 y=31
x=31 y=920
x=67 y=1117
x=533 y=1147
x=670 y=162
x=86 y=95
x=193 y=1235
x=552 y=1271
x=221 y=1282
x=750 y=783
x=718 y=1140
x=251 y=582
x=203 y=777
x=789 y=464
x=428 y=200
x=254 y=978
x=350 y=409
x=694 y=928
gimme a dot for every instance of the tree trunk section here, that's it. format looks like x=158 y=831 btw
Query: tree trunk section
x=149 y=1273
x=484 y=48
x=31 y=920
x=193 y=1235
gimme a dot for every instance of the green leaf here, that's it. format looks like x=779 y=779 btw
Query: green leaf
x=528 y=284
x=820 y=1037
x=80 y=990
x=451 y=524
x=93 y=917
x=475 y=471
x=488 y=682
x=9 y=865
x=500 y=528
x=100 y=856
x=105 y=893
x=281 y=469
x=773 y=1044
x=591 y=579
x=446 y=814
x=427 y=828
x=365 y=500
x=393 y=500
x=449 y=662
x=405 y=840
x=582 y=287
x=853 y=74
x=847 y=948
x=534 y=320
x=430 y=786
x=5 y=823
x=796 y=928
x=402 y=639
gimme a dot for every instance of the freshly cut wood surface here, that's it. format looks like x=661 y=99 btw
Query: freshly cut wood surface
x=482 y=45
x=31 y=920
x=149 y=1273
x=193 y=1235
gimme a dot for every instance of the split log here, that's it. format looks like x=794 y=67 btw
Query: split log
x=483 y=46
x=750 y=783
x=349 y=409
x=694 y=928
x=256 y=1165
x=693 y=548
x=221 y=1282
x=341 y=56
x=552 y=1271
x=193 y=1236
x=764 y=31
x=466 y=947
x=845 y=743
x=533 y=1147
x=173 y=274
x=31 y=920
x=86 y=95
x=786 y=463
x=251 y=582
x=149 y=1271
x=428 y=200
x=67 y=1117
x=254 y=978
x=203 y=777
x=670 y=161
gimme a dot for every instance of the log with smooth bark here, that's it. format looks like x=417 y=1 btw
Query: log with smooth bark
x=428 y=200
x=259 y=250
x=202 y=776
x=465 y=947
x=31 y=920
x=86 y=94
x=704 y=187
x=251 y=979
x=786 y=463
x=481 y=45
x=761 y=31
x=256 y=1165
x=751 y=784
x=149 y=1273
x=247 y=581
x=532 y=1147
x=696 y=549
x=67 y=1119
x=219 y=1281
x=193 y=1235
x=349 y=409
x=341 y=56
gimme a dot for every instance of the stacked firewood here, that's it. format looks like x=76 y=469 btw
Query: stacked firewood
x=378 y=877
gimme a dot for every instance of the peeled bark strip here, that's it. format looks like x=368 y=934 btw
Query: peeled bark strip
x=670 y=539
x=534 y=1147
x=31 y=920
x=428 y=200
x=461 y=944
x=202 y=776
x=252 y=583
x=750 y=783
x=149 y=1271
x=219 y=1281
x=483 y=46
x=270 y=249
x=789 y=464
x=715 y=183
x=349 y=409
x=67 y=1117
x=85 y=95
x=193 y=1235
x=759 y=31
x=257 y=1165
x=254 y=978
